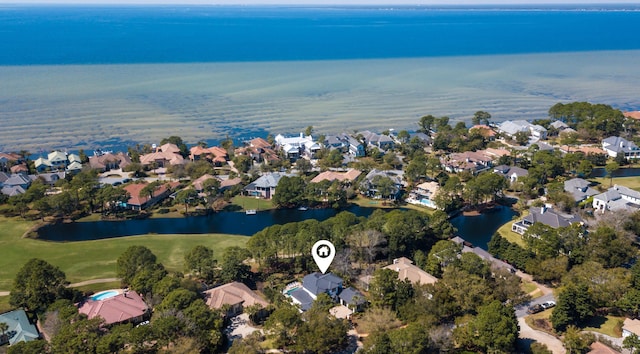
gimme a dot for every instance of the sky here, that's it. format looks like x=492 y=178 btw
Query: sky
x=322 y=2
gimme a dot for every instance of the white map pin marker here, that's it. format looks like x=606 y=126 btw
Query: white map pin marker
x=323 y=252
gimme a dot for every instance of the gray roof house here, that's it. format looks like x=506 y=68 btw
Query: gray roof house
x=381 y=141
x=615 y=145
x=512 y=127
x=512 y=173
x=265 y=186
x=579 y=189
x=559 y=125
x=617 y=198
x=20 y=329
x=313 y=285
x=369 y=186
x=352 y=299
x=356 y=148
x=544 y=215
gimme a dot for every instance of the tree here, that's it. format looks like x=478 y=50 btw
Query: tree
x=481 y=117
x=31 y=347
x=522 y=138
x=610 y=168
x=80 y=336
x=577 y=342
x=233 y=266
x=308 y=131
x=631 y=342
x=442 y=254
x=200 y=261
x=133 y=260
x=426 y=122
x=290 y=192
x=574 y=307
x=242 y=163
x=495 y=328
x=3 y=328
x=187 y=197
x=303 y=165
x=37 y=285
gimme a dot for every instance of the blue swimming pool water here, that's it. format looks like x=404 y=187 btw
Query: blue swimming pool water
x=104 y=295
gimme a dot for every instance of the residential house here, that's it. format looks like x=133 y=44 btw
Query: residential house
x=225 y=182
x=512 y=173
x=216 y=155
x=165 y=155
x=126 y=307
x=345 y=177
x=19 y=168
x=259 y=150
x=615 y=145
x=20 y=329
x=297 y=146
x=545 y=215
x=8 y=159
x=381 y=141
x=137 y=201
x=352 y=299
x=632 y=115
x=579 y=188
x=408 y=271
x=356 y=147
x=424 y=138
x=236 y=296
x=630 y=326
x=109 y=161
x=559 y=125
x=265 y=186
x=49 y=178
x=617 y=198
x=424 y=194
x=58 y=161
x=486 y=131
x=313 y=285
x=471 y=161
x=585 y=149
x=511 y=128
x=260 y=143
x=333 y=142
x=372 y=187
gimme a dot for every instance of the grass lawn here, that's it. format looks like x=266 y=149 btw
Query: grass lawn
x=631 y=182
x=84 y=260
x=540 y=321
x=372 y=203
x=246 y=203
x=505 y=231
x=609 y=325
x=4 y=304
x=99 y=287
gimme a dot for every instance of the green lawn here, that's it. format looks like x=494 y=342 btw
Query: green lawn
x=86 y=260
x=609 y=325
x=505 y=231
x=631 y=182
x=4 y=304
x=245 y=203
x=99 y=287
x=372 y=203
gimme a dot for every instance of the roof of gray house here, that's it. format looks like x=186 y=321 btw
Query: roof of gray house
x=619 y=144
x=512 y=127
x=351 y=140
x=17 y=180
x=269 y=180
x=317 y=283
x=550 y=217
x=395 y=175
x=20 y=329
x=626 y=191
x=609 y=195
x=12 y=190
x=3 y=177
x=352 y=296
x=303 y=298
x=422 y=136
x=559 y=125
x=579 y=189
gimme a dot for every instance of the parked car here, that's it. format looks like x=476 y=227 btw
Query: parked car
x=548 y=304
x=535 y=309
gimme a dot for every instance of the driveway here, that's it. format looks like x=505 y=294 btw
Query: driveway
x=239 y=327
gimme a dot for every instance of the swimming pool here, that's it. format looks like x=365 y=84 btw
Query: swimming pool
x=104 y=295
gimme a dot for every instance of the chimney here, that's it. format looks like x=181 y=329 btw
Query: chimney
x=543 y=209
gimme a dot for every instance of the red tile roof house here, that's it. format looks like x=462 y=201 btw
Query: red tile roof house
x=216 y=155
x=122 y=308
x=109 y=161
x=140 y=202
x=167 y=154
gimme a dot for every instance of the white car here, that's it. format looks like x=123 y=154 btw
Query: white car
x=548 y=304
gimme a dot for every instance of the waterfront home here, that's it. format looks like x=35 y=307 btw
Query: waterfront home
x=512 y=173
x=344 y=177
x=125 y=307
x=109 y=161
x=165 y=155
x=49 y=178
x=630 y=326
x=423 y=194
x=579 y=188
x=235 y=296
x=545 y=215
x=408 y=271
x=259 y=151
x=265 y=186
x=9 y=159
x=382 y=184
x=215 y=155
x=617 y=198
x=335 y=142
x=513 y=127
x=485 y=131
x=57 y=161
x=615 y=145
x=356 y=147
x=632 y=115
x=296 y=146
x=585 y=149
x=19 y=328
x=470 y=161
x=137 y=201
x=381 y=141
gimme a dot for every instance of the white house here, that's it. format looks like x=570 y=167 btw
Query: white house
x=615 y=145
x=297 y=146
x=512 y=127
x=617 y=198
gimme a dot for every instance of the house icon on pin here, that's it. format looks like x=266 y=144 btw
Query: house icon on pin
x=323 y=251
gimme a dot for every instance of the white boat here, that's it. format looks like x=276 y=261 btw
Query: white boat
x=250 y=212
x=303 y=208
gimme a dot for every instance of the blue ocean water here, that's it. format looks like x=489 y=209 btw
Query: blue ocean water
x=31 y=35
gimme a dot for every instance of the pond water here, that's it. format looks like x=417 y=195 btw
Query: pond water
x=236 y=223
x=479 y=229
x=623 y=172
